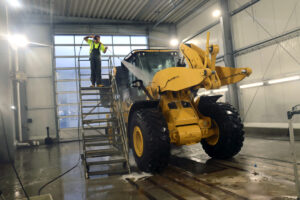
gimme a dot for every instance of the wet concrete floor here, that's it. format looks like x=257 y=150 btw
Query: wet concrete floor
x=262 y=170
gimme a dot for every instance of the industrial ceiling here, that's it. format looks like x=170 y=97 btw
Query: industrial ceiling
x=146 y=11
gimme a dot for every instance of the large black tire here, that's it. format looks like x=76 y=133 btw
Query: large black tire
x=231 y=130
x=156 y=141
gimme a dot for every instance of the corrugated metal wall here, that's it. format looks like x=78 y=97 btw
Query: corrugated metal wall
x=259 y=22
x=264 y=20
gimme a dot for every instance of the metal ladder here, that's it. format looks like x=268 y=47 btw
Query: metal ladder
x=105 y=150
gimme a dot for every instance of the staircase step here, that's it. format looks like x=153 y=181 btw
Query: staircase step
x=99 y=139
x=105 y=162
x=92 y=121
x=97 y=113
x=108 y=99
x=90 y=74
x=95 y=88
x=96 y=127
x=98 y=136
x=99 y=93
x=108 y=172
x=89 y=137
x=98 y=144
x=93 y=106
x=90 y=99
x=101 y=153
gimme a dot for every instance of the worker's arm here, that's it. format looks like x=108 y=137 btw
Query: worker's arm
x=86 y=38
x=103 y=48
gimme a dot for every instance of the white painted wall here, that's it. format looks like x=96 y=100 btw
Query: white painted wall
x=37 y=64
x=195 y=23
x=6 y=94
x=159 y=37
x=264 y=20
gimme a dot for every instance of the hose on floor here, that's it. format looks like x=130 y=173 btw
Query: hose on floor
x=78 y=129
x=51 y=181
x=9 y=157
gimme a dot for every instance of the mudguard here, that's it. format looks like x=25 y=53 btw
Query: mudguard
x=140 y=105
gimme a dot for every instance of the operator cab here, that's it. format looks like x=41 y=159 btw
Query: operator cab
x=153 y=61
x=150 y=61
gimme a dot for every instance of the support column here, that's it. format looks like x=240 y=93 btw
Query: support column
x=7 y=128
x=225 y=22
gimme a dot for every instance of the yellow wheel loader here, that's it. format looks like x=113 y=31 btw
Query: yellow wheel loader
x=163 y=109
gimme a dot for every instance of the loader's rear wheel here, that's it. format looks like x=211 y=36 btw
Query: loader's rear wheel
x=149 y=138
x=231 y=133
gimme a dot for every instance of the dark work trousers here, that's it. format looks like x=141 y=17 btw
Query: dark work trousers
x=95 y=67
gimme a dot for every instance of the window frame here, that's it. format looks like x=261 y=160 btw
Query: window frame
x=75 y=46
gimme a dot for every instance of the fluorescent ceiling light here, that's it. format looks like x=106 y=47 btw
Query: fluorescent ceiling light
x=204 y=93
x=280 y=80
x=174 y=42
x=216 y=13
x=220 y=90
x=15 y=3
x=252 y=85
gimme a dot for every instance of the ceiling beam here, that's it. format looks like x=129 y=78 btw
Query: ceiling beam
x=168 y=13
x=193 y=10
x=34 y=18
x=149 y=7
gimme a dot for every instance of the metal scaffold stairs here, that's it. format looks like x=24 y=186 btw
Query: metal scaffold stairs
x=104 y=137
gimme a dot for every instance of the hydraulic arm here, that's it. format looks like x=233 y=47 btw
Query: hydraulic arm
x=173 y=87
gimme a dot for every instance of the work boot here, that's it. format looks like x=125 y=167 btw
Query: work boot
x=92 y=86
x=100 y=85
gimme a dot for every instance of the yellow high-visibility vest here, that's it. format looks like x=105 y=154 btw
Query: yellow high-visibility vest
x=95 y=45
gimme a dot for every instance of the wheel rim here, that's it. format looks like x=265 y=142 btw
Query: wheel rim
x=138 y=141
x=213 y=140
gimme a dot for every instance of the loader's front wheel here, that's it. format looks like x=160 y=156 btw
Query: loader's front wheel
x=230 y=133
x=149 y=139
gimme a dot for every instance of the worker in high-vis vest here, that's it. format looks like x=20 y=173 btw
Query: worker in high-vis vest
x=95 y=58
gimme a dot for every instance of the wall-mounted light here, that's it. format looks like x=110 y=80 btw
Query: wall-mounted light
x=280 y=80
x=174 y=42
x=15 y=3
x=216 y=13
x=252 y=85
x=220 y=90
x=17 y=40
x=13 y=107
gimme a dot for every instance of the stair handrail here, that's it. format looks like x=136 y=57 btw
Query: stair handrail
x=119 y=110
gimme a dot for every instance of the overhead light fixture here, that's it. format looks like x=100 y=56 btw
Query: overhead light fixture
x=252 y=85
x=15 y=3
x=220 y=90
x=174 y=42
x=17 y=40
x=204 y=93
x=216 y=13
x=280 y=80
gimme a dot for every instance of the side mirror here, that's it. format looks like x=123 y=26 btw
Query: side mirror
x=140 y=85
x=137 y=83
